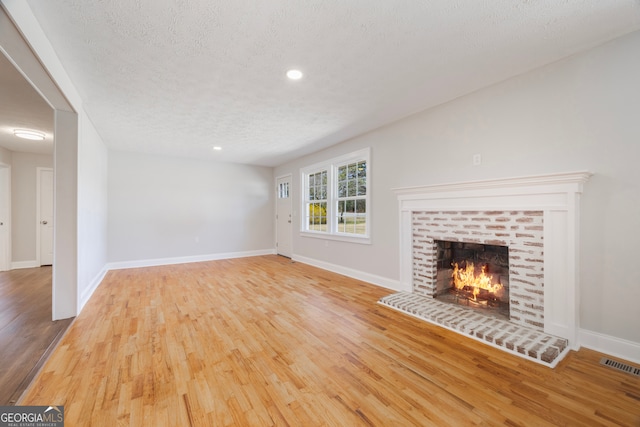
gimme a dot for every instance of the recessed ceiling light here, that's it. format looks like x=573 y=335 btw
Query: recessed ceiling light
x=217 y=148
x=29 y=134
x=294 y=74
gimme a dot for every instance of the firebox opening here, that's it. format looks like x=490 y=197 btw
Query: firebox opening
x=474 y=275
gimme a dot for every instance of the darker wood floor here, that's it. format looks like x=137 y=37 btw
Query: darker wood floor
x=27 y=333
x=263 y=341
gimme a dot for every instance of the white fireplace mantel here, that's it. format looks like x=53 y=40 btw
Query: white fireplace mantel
x=556 y=195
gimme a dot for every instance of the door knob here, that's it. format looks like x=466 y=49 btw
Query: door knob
x=43 y=222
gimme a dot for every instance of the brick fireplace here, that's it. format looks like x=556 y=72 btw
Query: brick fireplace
x=520 y=231
x=537 y=219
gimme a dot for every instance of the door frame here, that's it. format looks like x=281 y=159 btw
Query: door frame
x=15 y=21
x=290 y=180
x=39 y=171
x=5 y=169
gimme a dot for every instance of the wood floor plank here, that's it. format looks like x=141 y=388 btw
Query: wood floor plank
x=27 y=333
x=266 y=341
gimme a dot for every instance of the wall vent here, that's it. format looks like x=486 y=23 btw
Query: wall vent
x=620 y=366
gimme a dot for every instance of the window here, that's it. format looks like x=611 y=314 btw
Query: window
x=336 y=198
x=352 y=198
x=283 y=190
x=317 y=202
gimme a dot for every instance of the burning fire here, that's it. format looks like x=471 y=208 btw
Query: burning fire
x=466 y=277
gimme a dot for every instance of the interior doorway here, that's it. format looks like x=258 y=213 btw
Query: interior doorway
x=284 y=221
x=21 y=55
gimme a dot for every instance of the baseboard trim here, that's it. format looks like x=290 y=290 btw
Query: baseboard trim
x=612 y=346
x=87 y=292
x=187 y=259
x=16 y=265
x=385 y=282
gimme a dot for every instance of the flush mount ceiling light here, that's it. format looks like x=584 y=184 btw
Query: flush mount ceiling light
x=217 y=148
x=294 y=74
x=29 y=134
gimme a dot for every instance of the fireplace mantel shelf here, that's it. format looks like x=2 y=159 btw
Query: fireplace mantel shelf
x=557 y=198
x=502 y=185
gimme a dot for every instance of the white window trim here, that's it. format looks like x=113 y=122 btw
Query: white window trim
x=331 y=166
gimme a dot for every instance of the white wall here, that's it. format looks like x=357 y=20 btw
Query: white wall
x=92 y=209
x=5 y=156
x=171 y=208
x=24 y=184
x=578 y=114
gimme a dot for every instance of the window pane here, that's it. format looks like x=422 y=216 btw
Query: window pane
x=362 y=187
x=340 y=217
x=352 y=171
x=351 y=188
x=317 y=216
x=283 y=190
x=342 y=173
x=350 y=206
x=342 y=189
x=362 y=169
x=350 y=224
x=342 y=181
x=361 y=225
x=361 y=206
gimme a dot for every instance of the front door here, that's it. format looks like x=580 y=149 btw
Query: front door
x=283 y=216
x=45 y=225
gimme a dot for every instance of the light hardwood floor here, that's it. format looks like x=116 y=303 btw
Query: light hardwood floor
x=27 y=333
x=264 y=341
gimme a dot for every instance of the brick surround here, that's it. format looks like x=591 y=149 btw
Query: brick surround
x=521 y=231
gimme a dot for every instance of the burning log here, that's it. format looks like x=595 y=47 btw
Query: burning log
x=480 y=286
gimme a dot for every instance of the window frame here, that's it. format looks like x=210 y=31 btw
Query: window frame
x=331 y=167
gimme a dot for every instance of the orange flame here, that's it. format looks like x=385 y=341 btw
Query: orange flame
x=466 y=277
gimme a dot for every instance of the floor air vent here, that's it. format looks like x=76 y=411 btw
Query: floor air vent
x=620 y=366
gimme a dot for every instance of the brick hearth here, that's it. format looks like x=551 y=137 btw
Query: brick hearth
x=522 y=341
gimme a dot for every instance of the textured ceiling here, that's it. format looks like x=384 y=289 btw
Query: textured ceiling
x=178 y=77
